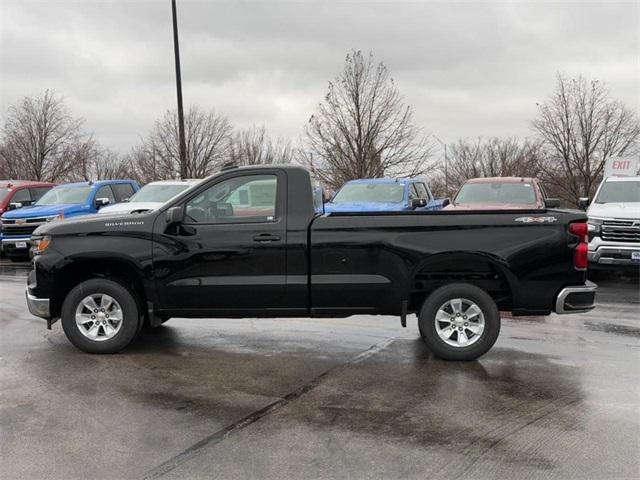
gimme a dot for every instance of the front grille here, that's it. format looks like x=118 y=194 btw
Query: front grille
x=621 y=230
x=29 y=221
x=18 y=229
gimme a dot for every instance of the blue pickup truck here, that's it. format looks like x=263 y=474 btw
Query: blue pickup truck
x=384 y=195
x=63 y=201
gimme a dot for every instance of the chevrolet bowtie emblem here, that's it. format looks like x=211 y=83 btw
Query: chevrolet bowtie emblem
x=21 y=221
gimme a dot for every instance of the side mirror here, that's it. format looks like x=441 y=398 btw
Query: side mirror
x=552 y=202
x=418 y=203
x=175 y=215
x=445 y=202
x=101 y=202
x=583 y=203
x=224 y=209
x=14 y=205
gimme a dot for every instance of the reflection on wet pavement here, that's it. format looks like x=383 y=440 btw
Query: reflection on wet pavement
x=557 y=397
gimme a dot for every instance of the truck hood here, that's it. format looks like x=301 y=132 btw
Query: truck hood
x=629 y=210
x=364 y=207
x=96 y=224
x=47 y=211
x=128 y=207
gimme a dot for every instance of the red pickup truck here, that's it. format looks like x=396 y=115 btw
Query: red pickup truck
x=502 y=193
x=21 y=193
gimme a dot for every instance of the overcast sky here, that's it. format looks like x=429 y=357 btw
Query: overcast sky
x=468 y=69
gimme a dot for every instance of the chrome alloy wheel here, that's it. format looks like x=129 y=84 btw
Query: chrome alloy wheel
x=459 y=322
x=99 y=317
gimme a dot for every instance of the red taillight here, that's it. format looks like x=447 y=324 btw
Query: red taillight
x=580 y=255
x=579 y=229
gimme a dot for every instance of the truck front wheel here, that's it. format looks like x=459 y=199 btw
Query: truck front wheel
x=459 y=322
x=100 y=316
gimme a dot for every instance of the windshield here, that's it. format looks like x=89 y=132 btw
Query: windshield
x=61 y=195
x=496 y=193
x=157 y=193
x=619 y=192
x=370 y=192
x=3 y=193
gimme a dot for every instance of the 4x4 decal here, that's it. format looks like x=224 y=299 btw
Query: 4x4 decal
x=536 y=219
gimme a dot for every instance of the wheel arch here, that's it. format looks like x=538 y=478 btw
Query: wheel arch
x=482 y=270
x=118 y=269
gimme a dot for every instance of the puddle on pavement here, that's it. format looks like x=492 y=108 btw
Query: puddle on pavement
x=613 y=328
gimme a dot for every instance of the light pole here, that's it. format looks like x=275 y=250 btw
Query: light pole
x=176 y=49
x=446 y=166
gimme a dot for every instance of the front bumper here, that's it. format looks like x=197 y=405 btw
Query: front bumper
x=577 y=299
x=10 y=245
x=38 y=306
x=603 y=252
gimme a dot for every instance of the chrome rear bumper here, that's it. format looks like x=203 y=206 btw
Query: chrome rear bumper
x=580 y=298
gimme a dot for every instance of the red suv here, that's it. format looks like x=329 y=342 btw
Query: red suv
x=21 y=193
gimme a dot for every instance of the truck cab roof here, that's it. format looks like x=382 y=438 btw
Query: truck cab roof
x=502 y=180
x=384 y=180
x=622 y=179
x=95 y=183
x=24 y=183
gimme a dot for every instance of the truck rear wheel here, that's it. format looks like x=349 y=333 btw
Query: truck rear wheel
x=459 y=322
x=100 y=316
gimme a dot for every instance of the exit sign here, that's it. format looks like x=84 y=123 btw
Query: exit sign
x=621 y=167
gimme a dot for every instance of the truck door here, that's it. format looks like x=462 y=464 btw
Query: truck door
x=229 y=254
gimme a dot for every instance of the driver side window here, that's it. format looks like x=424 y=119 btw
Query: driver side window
x=243 y=199
x=106 y=192
x=413 y=193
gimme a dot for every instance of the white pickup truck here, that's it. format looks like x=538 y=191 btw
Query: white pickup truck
x=614 y=223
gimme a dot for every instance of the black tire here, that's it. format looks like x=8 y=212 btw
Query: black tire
x=130 y=316
x=426 y=322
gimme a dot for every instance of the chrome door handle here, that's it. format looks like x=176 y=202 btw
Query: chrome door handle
x=266 y=237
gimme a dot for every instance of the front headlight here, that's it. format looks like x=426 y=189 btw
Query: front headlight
x=594 y=224
x=40 y=244
x=57 y=217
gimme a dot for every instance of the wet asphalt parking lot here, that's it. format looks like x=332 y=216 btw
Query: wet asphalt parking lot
x=556 y=398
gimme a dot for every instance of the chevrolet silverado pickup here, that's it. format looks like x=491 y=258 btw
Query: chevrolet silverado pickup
x=614 y=224
x=254 y=242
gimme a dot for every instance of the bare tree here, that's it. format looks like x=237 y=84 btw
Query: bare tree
x=207 y=138
x=363 y=128
x=143 y=165
x=492 y=157
x=582 y=127
x=105 y=163
x=41 y=140
x=253 y=146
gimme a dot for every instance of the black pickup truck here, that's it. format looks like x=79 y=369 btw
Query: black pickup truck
x=253 y=242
